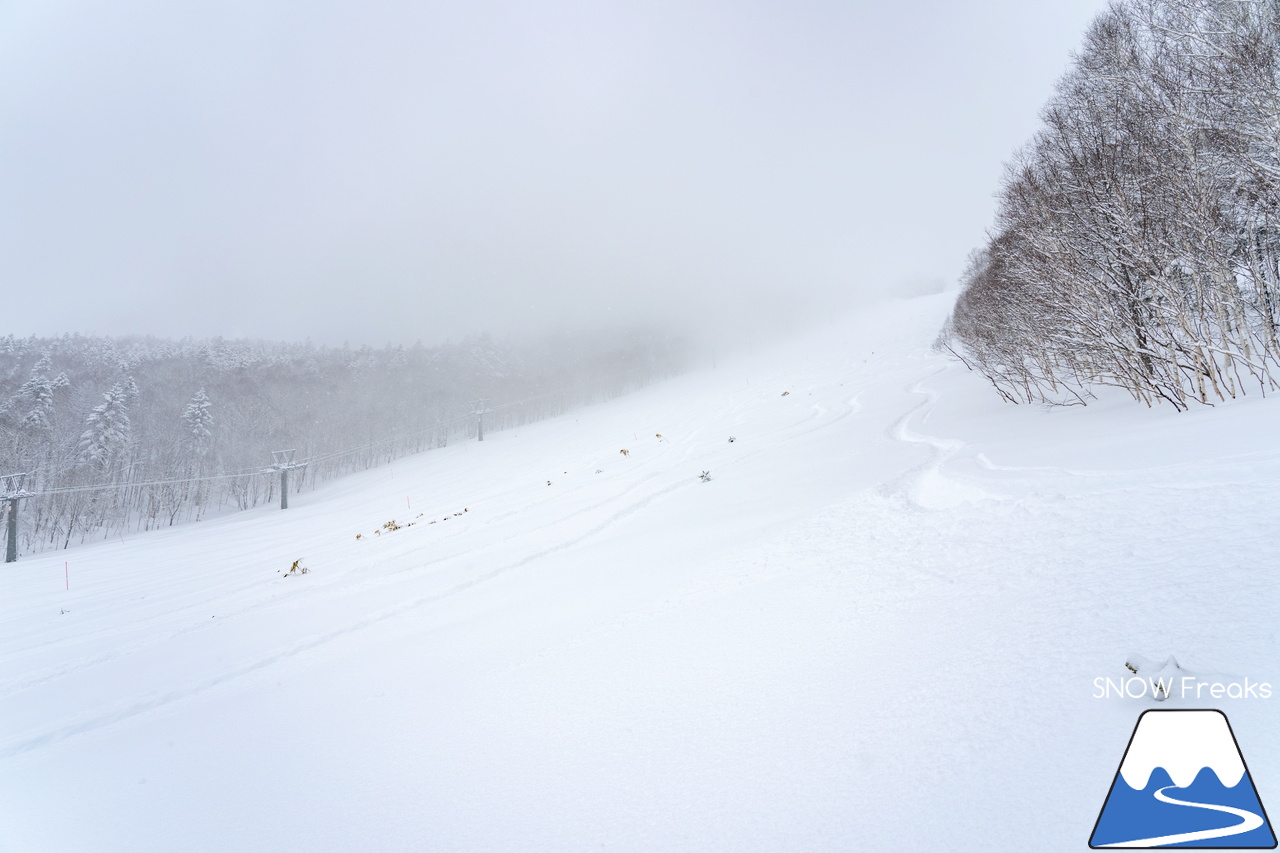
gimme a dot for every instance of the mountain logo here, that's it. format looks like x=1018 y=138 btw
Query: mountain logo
x=1183 y=783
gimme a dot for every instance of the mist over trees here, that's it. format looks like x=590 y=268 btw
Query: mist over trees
x=132 y=434
x=1137 y=240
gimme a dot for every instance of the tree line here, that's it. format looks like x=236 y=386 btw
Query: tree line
x=125 y=434
x=1137 y=237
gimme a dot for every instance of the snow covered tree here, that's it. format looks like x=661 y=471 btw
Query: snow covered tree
x=110 y=453
x=1137 y=241
x=197 y=420
x=35 y=398
x=106 y=437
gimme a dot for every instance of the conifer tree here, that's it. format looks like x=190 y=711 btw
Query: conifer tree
x=106 y=436
x=198 y=422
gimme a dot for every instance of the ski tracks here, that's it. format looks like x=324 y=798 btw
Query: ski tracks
x=926 y=486
x=568 y=529
x=158 y=700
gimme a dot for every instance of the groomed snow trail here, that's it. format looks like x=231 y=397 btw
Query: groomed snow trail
x=877 y=627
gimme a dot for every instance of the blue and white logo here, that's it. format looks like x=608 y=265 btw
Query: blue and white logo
x=1183 y=783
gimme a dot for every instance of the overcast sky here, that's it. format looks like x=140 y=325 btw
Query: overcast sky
x=382 y=171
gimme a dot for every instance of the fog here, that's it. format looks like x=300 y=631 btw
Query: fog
x=390 y=172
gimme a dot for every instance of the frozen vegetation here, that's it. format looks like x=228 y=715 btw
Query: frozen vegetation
x=120 y=435
x=1138 y=238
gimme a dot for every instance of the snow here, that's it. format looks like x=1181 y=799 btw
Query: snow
x=877 y=627
x=1183 y=744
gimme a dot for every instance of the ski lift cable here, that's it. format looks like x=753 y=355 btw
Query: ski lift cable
x=315 y=460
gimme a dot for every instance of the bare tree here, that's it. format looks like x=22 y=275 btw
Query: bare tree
x=1136 y=238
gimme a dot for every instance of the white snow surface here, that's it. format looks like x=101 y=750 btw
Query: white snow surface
x=1183 y=743
x=877 y=627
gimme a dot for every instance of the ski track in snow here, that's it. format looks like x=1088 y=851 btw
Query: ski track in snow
x=67 y=730
x=926 y=486
x=887 y=596
x=629 y=507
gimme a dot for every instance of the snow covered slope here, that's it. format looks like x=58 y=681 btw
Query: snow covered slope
x=877 y=627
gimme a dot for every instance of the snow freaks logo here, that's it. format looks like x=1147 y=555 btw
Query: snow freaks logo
x=1183 y=783
x=1178 y=687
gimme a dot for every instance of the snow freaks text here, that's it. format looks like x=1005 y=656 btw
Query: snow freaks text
x=1183 y=687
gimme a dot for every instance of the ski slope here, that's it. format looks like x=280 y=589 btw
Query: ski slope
x=877 y=627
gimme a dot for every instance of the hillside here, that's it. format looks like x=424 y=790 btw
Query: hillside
x=876 y=627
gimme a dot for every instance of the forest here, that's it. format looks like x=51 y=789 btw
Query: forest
x=1137 y=235
x=125 y=434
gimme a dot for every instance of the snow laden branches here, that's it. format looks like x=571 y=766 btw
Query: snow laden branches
x=1137 y=240
x=132 y=434
x=105 y=442
x=197 y=421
